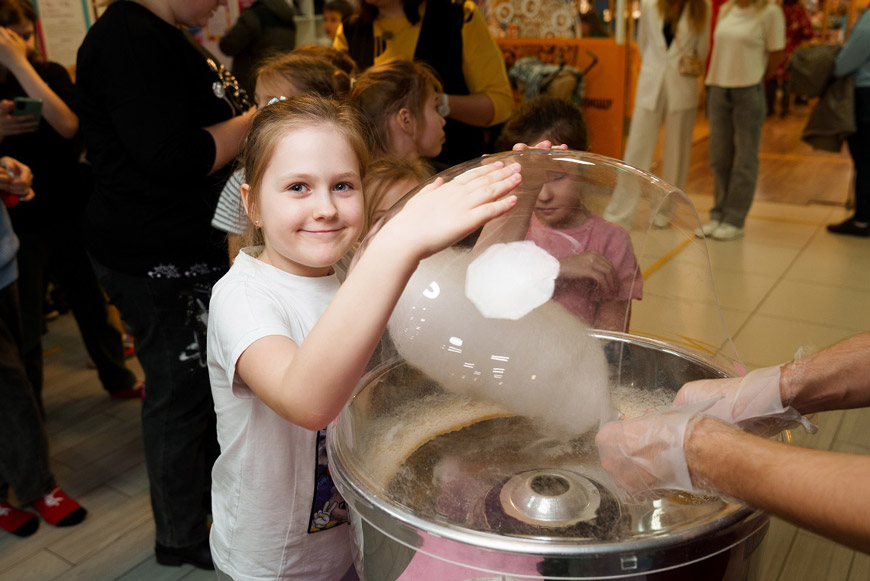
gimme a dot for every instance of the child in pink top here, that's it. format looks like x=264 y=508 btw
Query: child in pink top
x=598 y=274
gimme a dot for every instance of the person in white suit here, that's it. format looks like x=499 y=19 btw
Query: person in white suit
x=670 y=31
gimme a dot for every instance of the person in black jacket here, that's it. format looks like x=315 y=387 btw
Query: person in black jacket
x=162 y=123
x=265 y=28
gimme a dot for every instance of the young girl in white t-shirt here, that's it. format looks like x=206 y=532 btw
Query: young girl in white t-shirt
x=286 y=345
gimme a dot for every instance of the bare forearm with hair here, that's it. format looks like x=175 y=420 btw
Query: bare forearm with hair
x=825 y=492
x=476 y=109
x=835 y=378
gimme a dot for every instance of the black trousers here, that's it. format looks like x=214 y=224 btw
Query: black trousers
x=59 y=251
x=23 y=443
x=859 y=148
x=167 y=318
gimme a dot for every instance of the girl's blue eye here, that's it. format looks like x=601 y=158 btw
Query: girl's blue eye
x=296 y=187
x=344 y=186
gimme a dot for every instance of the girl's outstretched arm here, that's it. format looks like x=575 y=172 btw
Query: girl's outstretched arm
x=309 y=384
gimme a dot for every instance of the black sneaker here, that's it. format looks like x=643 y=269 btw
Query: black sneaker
x=851 y=228
x=197 y=555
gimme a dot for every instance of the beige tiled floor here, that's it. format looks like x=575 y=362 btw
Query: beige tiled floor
x=788 y=287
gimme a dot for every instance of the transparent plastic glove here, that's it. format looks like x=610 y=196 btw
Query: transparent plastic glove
x=645 y=456
x=752 y=402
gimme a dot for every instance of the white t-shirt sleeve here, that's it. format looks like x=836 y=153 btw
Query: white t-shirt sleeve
x=240 y=316
x=774 y=28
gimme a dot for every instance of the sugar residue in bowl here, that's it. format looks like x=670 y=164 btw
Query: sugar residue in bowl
x=633 y=402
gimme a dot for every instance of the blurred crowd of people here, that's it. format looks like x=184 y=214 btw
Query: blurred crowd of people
x=125 y=187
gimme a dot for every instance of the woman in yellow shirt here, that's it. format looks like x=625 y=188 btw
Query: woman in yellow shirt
x=452 y=37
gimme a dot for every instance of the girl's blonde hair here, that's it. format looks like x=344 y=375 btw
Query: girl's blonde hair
x=385 y=172
x=275 y=121
x=383 y=90
x=339 y=58
x=697 y=11
x=309 y=74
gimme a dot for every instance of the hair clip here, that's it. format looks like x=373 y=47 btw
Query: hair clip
x=276 y=99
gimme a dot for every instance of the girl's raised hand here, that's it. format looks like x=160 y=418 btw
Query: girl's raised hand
x=444 y=212
x=13 y=49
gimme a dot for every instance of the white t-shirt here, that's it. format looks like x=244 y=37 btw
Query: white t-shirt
x=742 y=39
x=276 y=512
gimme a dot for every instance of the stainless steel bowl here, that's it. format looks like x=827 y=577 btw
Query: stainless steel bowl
x=449 y=488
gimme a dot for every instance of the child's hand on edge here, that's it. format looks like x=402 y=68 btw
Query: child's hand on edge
x=443 y=213
x=546 y=144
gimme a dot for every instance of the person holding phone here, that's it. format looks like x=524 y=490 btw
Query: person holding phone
x=48 y=228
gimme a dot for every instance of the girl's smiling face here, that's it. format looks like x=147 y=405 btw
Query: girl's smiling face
x=310 y=204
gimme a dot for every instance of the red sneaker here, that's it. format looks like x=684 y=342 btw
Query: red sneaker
x=129 y=348
x=19 y=522
x=58 y=509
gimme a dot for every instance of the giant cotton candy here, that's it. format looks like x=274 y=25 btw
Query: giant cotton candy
x=544 y=365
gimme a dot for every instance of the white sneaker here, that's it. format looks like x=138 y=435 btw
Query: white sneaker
x=727 y=232
x=707 y=229
x=661 y=220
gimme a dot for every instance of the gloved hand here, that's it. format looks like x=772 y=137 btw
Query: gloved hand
x=645 y=456
x=752 y=402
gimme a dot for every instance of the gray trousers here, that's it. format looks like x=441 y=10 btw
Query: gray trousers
x=736 y=117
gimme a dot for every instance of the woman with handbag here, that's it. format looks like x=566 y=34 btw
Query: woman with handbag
x=673 y=40
x=748 y=46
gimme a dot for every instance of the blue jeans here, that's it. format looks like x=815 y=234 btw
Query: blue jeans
x=167 y=318
x=736 y=117
x=23 y=444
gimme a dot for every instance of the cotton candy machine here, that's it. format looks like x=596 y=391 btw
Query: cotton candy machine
x=468 y=450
